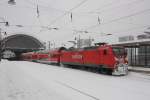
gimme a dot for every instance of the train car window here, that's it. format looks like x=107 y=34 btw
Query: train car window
x=105 y=52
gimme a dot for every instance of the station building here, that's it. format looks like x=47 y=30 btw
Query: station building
x=138 y=49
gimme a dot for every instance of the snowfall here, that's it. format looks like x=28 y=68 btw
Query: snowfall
x=21 y=80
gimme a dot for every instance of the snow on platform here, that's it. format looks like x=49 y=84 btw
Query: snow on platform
x=33 y=81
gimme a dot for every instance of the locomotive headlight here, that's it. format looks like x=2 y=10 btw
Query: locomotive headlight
x=117 y=60
x=126 y=60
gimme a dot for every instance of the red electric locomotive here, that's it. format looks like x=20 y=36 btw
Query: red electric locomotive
x=111 y=59
x=106 y=58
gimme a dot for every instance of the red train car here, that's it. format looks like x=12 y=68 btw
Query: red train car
x=111 y=59
x=49 y=57
x=29 y=56
x=34 y=56
x=42 y=56
x=52 y=56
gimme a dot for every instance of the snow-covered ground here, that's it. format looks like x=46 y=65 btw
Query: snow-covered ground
x=33 y=81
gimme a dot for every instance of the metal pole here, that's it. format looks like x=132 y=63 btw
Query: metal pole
x=79 y=42
x=54 y=45
x=131 y=57
x=145 y=56
x=0 y=45
x=135 y=56
x=49 y=45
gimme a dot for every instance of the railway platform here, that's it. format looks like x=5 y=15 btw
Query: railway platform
x=139 y=69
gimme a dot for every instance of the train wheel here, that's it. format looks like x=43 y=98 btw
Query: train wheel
x=105 y=71
x=109 y=71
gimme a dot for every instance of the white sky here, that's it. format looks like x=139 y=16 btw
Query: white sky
x=118 y=17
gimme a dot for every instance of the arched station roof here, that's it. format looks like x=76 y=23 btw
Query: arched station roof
x=22 y=42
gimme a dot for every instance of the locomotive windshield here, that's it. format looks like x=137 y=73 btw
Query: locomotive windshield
x=119 y=51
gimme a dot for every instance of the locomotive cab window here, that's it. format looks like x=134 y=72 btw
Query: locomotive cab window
x=119 y=51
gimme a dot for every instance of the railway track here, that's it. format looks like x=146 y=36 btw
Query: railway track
x=77 y=90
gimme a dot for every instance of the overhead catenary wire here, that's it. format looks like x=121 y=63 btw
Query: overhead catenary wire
x=58 y=18
x=104 y=10
x=133 y=2
x=93 y=11
x=44 y=7
x=126 y=30
x=66 y=11
x=101 y=10
x=120 y=18
x=117 y=19
x=107 y=22
x=106 y=5
x=130 y=29
x=124 y=17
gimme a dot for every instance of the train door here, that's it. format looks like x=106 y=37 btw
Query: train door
x=106 y=56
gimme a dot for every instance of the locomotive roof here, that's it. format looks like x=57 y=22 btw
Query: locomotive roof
x=118 y=46
x=89 y=48
x=92 y=47
x=100 y=43
x=85 y=48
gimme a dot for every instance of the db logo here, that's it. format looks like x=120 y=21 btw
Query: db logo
x=77 y=56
